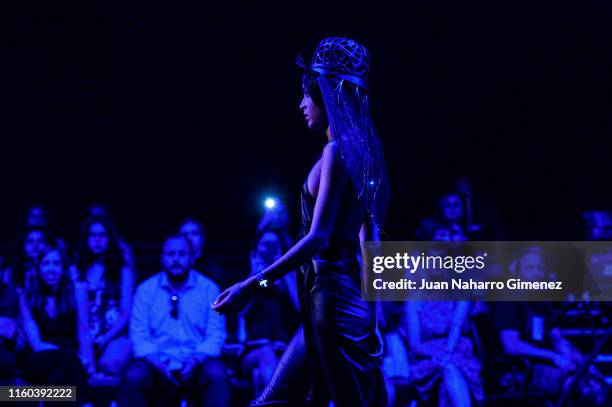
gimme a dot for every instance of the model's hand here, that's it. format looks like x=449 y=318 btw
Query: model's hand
x=235 y=298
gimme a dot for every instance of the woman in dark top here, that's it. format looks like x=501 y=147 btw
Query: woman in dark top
x=23 y=272
x=9 y=312
x=102 y=267
x=344 y=198
x=272 y=319
x=55 y=323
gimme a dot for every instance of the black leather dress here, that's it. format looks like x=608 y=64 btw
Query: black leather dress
x=337 y=355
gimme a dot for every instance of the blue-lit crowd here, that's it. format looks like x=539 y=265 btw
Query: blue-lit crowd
x=82 y=313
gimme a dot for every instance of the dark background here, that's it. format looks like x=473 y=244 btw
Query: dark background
x=166 y=110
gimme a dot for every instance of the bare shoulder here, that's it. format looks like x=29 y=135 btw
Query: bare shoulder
x=331 y=149
x=331 y=155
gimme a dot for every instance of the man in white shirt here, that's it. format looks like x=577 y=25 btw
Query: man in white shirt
x=176 y=336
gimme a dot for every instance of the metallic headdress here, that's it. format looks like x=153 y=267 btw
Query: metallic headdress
x=343 y=57
x=342 y=67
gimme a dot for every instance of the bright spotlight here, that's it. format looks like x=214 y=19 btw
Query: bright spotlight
x=270 y=203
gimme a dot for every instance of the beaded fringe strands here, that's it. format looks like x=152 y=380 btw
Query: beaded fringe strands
x=342 y=66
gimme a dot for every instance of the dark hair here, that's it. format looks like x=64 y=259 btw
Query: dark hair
x=20 y=260
x=428 y=228
x=280 y=234
x=518 y=254
x=98 y=210
x=310 y=87
x=463 y=221
x=178 y=236
x=66 y=301
x=196 y=222
x=113 y=258
x=450 y=193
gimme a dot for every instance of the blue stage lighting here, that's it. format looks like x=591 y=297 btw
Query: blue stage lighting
x=270 y=203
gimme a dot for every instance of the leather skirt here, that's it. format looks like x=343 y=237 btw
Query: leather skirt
x=337 y=354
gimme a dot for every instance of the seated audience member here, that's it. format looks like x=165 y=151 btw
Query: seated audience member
x=442 y=358
x=99 y=211
x=462 y=216
x=101 y=266
x=195 y=232
x=597 y=225
x=37 y=217
x=531 y=264
x=277 y=217
x=23 y=274
x=270 y=319
x=449 y=223
x=9 y=312
x=528 y=329
x=395 y=366
x=481 y=215
x=431 y=229
x=55 y=323
x=176 y=336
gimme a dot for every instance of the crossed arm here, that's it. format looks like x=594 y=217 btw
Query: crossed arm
x=564 y=355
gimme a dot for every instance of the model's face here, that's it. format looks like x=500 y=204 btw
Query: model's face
x=176 y=258
x=314 y=115
x=51 y=268
x=97 y=239
x=452 y=208
x=532 y=267
x=192 y=232
x=35 y=243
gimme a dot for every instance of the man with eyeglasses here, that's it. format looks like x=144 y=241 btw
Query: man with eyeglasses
x=176 y=336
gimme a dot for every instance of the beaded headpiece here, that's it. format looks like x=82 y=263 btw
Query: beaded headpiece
x=342 y=58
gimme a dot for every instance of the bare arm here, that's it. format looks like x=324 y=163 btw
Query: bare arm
x=369 y=233
x=31 y=328
x=332 y=182
x=461 y=312
x=331 y=188
x=414 y=331
x=127 y=293
x=514 y=345
x=8 y=327
x=8 y=322
x=564 y=347
x=85 y=340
